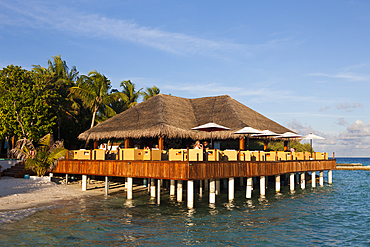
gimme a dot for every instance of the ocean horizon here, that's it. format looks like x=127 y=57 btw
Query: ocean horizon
x=334 y=214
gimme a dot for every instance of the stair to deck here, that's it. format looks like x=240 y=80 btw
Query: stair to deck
x=14 y=170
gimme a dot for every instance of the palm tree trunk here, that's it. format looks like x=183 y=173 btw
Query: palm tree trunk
x=93 y=119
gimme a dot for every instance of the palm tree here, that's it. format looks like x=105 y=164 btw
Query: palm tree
x=61 y=78
x=150 y=92
x=93 y=90
x=129 y=95
x=43 y=156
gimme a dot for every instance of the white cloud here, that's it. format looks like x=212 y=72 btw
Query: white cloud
x=353 y=141
x=347 y=76
x=50 y=15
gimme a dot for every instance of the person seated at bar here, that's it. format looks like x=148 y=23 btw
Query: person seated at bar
x=198 y=145
x=205 y=145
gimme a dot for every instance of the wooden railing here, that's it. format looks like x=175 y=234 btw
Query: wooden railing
x=185 y=170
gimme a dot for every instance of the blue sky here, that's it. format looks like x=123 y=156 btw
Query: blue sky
x=304 y=64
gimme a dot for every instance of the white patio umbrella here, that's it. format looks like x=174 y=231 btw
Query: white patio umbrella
x=248 y=131
x=266 y=133
x=312 y=137
x=210 y=127
x=288 y=135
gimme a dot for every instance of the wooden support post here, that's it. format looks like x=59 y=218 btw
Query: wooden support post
x=13 y=140
x=241 y=143
x=206 y=185
x=212 y=191
x=249 y=188
x=265 y=145
x=179 y=190
x=277 y=183
x=158 y=191
x=321 y=181
x=152 y=188
x=218 y=187
x=313 y=178
x=285 y=146
x=330 y=176
x=127 y=143
x=190 y=191
x=291 y=182
x=84 y=182
x=297 y=178
x=200 y=188
x=96 y=144
x=67 y=154
x=106 y=186
x=129 y=188
x=160 y=143
x=172 y=188
x=231 y=189
x=262 y=185
x=303 y=180
x=149 y=184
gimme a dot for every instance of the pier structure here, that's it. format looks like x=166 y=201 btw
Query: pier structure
x=191 y=172
x=152 y=137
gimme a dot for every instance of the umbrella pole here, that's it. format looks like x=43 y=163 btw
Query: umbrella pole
x=211 y=141
x=247 y=142
x=311 y=148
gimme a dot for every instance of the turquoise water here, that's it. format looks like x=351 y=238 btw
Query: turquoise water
x=336 y=214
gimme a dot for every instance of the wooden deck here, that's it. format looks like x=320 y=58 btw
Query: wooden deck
x=184 y=170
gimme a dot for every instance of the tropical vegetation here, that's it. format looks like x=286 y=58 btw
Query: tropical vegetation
x=41 y=157
x=59 y=100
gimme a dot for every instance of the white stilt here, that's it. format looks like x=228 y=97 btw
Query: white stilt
x=129 y=188
x=330 y=176
x=321 y=181
x=206 y=185
x=231 y=189
x=179 y=190
x=84 y=182
x=159 y=182
x=51 y=174
x=152 y=188
x=106 y=187
x=303 y=180
x=149 y=184
x=218 y=187
x=66 y=179
x=200 y=188
x=277 y=183
x=241 y=182
x=262 y=185
x=190 y=191
x=212 y=191
x=291 y=181
x=313 y=178
x=249 y=188
x=172 y=188
x=126 y=183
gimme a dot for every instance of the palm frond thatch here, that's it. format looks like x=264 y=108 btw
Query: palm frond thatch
x=173 y=117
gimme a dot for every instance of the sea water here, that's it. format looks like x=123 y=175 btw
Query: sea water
x=336 y=214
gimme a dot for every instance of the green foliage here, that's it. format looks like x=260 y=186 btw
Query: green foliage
x=299 y=147
x=93 y=90
x=58 y=100
x=42 y=158
x=150 y=92
x=25 y=99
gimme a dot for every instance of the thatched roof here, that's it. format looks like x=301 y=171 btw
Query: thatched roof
x=173 y=117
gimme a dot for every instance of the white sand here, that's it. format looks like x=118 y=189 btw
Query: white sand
x=18 y=193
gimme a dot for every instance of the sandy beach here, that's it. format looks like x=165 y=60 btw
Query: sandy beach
x=17 y=193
